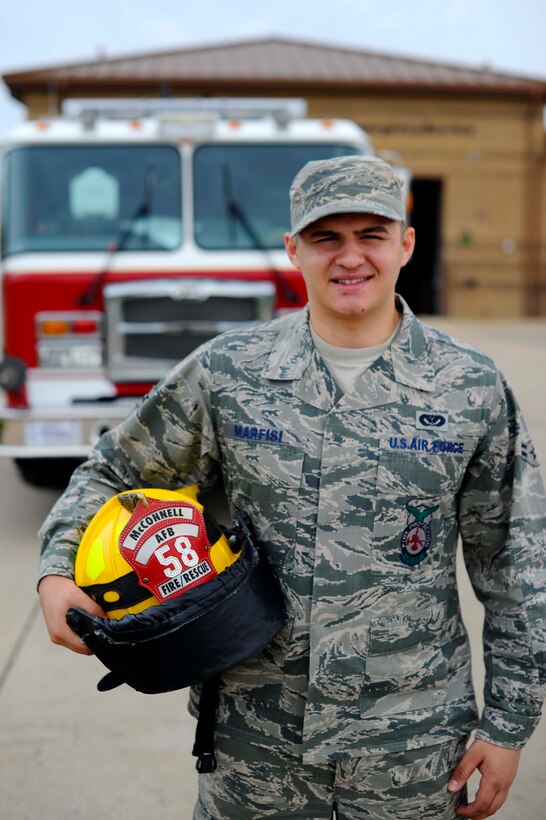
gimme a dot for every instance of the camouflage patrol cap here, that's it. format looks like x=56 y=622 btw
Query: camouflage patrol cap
x=342 y=185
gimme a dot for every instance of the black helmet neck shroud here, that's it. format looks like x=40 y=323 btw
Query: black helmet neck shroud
x=195 y=637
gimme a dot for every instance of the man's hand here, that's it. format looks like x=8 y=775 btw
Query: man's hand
x=57 y=595
x=498 y=767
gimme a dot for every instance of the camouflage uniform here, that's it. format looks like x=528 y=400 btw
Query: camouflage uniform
x=254 y=782
x=358 y=500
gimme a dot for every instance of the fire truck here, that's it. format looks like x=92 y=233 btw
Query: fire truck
x=131 y=235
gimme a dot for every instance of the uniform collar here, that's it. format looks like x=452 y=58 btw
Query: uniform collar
x=410 y=359
x=294 y=358
x=293 y=349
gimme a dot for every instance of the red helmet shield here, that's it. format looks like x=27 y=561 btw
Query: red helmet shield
x=167 y=545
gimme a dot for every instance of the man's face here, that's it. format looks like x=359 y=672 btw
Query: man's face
x=350 y=264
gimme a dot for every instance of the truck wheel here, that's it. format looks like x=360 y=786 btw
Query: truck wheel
x=47 y=472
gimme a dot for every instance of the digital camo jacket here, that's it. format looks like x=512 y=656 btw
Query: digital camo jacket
x=358 y=500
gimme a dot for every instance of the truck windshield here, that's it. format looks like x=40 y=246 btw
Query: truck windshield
x=241 y=191
x=88 y=197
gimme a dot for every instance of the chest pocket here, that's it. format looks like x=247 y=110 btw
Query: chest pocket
x=414 y=528
x=428 y=467
x=264 y=479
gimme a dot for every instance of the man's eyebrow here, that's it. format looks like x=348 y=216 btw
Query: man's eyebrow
x=378 y=228
x=318 y=233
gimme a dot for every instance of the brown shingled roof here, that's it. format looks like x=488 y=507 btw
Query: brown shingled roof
x=280 y=62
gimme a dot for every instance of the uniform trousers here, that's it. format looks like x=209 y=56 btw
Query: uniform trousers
x=252 y=782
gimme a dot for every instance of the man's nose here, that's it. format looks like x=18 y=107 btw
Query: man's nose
x=349 y=255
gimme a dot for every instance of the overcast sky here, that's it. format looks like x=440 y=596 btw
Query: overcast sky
x=507 y=35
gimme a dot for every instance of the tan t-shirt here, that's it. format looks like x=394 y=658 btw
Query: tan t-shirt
x=346 y=364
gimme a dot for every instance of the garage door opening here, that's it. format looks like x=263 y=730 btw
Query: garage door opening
x=420 y=281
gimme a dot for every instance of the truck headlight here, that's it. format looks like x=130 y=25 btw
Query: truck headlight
x=70 y=339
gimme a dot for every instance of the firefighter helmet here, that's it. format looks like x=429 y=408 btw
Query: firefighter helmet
x=187 y=600
x=147 y=546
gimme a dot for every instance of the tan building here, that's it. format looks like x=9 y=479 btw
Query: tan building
x=473 y=138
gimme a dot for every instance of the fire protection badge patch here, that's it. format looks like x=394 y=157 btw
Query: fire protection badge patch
x=416 y=538
x=166 y=544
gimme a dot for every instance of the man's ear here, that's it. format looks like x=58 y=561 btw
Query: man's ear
x=408 y=245
x=291 y=245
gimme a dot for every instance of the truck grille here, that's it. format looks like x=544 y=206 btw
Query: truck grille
x=152 y=325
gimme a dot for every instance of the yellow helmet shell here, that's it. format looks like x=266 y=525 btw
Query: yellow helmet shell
x=122 y=527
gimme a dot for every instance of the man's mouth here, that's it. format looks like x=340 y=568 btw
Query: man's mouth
x=354 y=281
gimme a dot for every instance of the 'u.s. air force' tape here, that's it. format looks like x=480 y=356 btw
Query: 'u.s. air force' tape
x=419 y=444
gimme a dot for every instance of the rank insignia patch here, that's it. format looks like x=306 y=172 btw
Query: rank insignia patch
x=427 y=420
x=416 y=538
x=528 y=452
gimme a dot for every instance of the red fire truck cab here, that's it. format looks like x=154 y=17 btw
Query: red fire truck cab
x=130 y=238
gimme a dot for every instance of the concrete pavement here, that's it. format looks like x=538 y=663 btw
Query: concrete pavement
x=68 y=751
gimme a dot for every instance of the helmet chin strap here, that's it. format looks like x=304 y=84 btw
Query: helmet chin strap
x=203 y=748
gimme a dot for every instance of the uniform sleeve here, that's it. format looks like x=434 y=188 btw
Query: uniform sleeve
x=503 y=525
x=168 y=442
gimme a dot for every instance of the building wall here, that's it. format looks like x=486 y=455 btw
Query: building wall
x=486 y=154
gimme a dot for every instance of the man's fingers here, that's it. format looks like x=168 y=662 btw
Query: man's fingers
x=481 y=806
x=69 y=639
x=497 y=766
x=498 y=801
x=486 y=803
x=465 y=769
x=480 y=809
x=57 y=595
